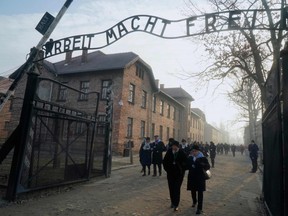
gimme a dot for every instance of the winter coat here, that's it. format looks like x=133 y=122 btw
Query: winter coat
x=145 y=156
x=175 y=165
x=212 y=150
x=157 y=149
x=196 y=176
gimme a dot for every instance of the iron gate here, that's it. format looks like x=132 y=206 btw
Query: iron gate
x=56 y=143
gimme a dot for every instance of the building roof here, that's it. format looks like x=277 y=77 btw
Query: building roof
x=198 y=112
x=170 y=97
x=178 y=93
x=5 y=83
x=98 y=61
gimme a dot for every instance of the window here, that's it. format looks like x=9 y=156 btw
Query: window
x=154 y=103
x=62 y=92
x=161 y=107
x=168 y=133
x=168 y=110
x=142 y=129
x=140 y=71
x=161 y=132
x=144 y=99
x=79 y=128
x=105 y=85
x=173 y=113
x=101 y=125
x=84 y=87
x=130 y=127
x=131 y=96
x=153 y=130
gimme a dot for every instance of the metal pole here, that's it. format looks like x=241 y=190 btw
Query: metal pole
x=284 y=99
x=34 y=54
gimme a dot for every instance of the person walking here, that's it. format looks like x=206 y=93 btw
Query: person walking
x=212 y=151
x=158 y=148
x=197 y=165
x=242 y=149
x=253 y=150
x=233 y=149
x=174 y=163
x=145 y=155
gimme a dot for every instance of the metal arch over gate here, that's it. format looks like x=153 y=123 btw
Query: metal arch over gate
x=163 y=28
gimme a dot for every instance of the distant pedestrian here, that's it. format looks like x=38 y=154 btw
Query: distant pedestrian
x=145 y=155
x=158 y=148
x=253 y=149
x=233 y=149
x=170 y=142
x=175 y=163
x=185 y=147
x=242 y=148
x=197 y=165
x=212 y=151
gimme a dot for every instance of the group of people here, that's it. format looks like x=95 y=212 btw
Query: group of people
x=179 y=157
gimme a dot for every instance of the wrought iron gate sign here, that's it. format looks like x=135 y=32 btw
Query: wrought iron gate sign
x=168 y=29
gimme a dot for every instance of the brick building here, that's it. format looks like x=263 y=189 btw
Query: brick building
x=140 y=106
x=198 y=121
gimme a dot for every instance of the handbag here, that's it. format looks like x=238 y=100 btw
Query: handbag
x=207 y=174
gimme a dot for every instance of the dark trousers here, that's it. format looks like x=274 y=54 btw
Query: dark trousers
x=174 y=183
x=213 y=162
x=254 y=164
x=144 y=169
x=159 y=168
x=233 y=153
x=199 y=200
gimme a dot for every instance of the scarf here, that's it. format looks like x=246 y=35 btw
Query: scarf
x=146 y=146
x=199 y=155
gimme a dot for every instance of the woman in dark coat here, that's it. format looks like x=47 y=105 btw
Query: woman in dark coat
x=145 y=155
x=212 y=150
x=175 y=163
x=197 y=165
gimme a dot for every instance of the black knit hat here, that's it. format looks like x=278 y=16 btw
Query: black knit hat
x=195 y=147
x=175 y=143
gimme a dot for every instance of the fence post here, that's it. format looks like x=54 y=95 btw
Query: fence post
x=24 y=125
x=284 y=99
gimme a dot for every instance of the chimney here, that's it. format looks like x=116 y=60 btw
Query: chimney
x=68 y=57
x=157 y=83
x=84 y=58
x=161 y=86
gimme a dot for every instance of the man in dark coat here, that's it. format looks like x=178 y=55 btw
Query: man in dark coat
x=145 y=155
x=197 y=165
x=253 y=149
x=212 y=151
x=233 y=149
x=175 y=162
x=158 y=148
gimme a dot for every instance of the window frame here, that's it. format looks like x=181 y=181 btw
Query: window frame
x=104 y=94
x=131 y=91
x=162 y=107
x=60 y=89
x=144 y=99
x=84 y=97
x=142 y=129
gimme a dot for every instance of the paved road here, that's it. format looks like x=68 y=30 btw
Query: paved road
x=232 y=191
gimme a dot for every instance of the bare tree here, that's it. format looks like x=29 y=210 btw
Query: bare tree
x=253 y=52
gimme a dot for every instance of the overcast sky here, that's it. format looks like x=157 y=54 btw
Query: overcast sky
x=168 y=58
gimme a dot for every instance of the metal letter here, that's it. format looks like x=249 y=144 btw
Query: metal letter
x=231 y=21
x=152 y=23
x=57 y=47
x=67 y=43
x=133 y=24
x=189 y=24
x=90 y=37
x=110 y=34
x=164 y=27
x=211 y=24
x=121 y=28
x=76 y=41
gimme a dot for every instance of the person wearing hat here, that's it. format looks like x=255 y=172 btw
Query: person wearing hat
x=197 y=165
x=145 y=155
x=158 y=148
x=175 y=162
